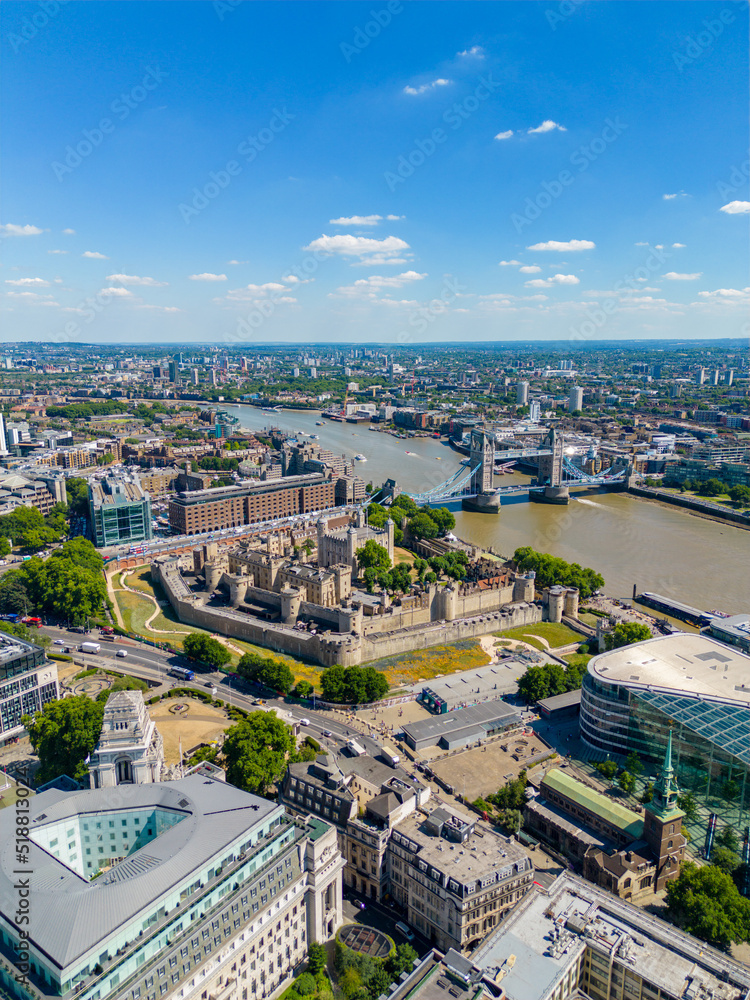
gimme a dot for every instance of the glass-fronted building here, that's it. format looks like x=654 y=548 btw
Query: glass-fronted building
x=697 y=687
x=120 y=513
x=28 y=680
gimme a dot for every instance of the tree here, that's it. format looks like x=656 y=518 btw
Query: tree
x=303 y=689
x=256 y=750
x=423 y=526
x=551 y=570
x=63 y=734
x=199 y=646
x=728 y=838
x=711 y=488
x=626 y=781
x=359 y=685
x=444 y=519
x=688 y=803
x=607 y=769
x=373 y=556
x=740 y=495
x=647 y=794
x=5 y=546
x=725 y=859
x=350 y=983
x=633 y=764
x=406 y=504
x=305 y=984
x=402 y=960
x=14 y=598
x=316 y=958
x=705 y=902
x=626 y=633
x=511 y=820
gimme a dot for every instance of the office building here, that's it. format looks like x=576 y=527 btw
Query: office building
x=535 y=412
x=454 y=877
x=195 y=376
x=734 y=631
x=573 y=940
x=120 y=512
x=692 y=686
x=232 y=506
x=575 y=398
x=168 y=889
x=174 y=371
x=28 y=680
x=3 y=440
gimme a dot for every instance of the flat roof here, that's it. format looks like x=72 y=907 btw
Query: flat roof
x=564 y=700
x=683 y=664
x=598 y=803
x=476 y=715
x=72 y=914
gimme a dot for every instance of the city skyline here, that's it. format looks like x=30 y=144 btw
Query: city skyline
x=239 y=174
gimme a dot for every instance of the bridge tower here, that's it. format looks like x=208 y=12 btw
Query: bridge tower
x=486 y=500
x=550 y=471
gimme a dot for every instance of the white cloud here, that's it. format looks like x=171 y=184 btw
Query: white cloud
x=166 y=309
x=10 y=229
x=69 y=232
x=726 y=293
x=563 y=247
x=509 y=263
x=370 y=251
x=547 y=126
x=642 y=243
x=207 y=276
x=369 y=287
x=529 y=269
x=736 y=207
x=676 y=276
x=415 y=91
x=356 y=220
x=671 y=197
x=292 y=279
x=475 y=52
x=556 y=279
x=94 y=255
x=504 y=135
x=238 y=262
x=28 y=282
x=678 y=246
x=134 y=279
x=57 y=251
x=115 y=292
x=395 y=218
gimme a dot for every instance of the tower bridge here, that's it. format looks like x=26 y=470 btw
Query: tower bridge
x=475 y=489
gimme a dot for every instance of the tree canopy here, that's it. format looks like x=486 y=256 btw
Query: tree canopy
x=63 y=734
x=199 y=646
x=256 y=750
x=373 y=556
x=625 y=633
x=706 y=902
x=353 y=685
x=69 y=584
x=265 y=670
x=548 y=680
x=552 y=570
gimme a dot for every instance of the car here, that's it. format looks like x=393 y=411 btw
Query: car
x=58 y=642
x=327 y=732
x=304 y=722
x=122 y=653
x=208 y=684
x=407 y=932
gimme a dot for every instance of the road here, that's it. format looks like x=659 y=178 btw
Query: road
x=151 y=664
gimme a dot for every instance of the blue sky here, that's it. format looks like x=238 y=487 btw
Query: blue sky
x=412 y=172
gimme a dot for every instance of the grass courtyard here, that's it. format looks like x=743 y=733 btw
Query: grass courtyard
x=542 y=635
x=422 y=664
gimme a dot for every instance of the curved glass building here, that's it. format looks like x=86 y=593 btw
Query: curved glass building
x=697 y=687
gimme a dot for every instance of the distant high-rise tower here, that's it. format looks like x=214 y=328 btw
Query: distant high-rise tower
x=522 y=393
x=575 y=399
x=3 y=442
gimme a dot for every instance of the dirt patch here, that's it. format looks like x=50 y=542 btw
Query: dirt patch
x=477 y=772
x=202 y=724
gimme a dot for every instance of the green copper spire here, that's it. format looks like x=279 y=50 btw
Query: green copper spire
x=665 y=790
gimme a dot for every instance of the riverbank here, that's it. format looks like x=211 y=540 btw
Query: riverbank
x=712 y=512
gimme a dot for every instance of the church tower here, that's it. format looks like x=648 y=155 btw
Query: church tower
x=663 y=824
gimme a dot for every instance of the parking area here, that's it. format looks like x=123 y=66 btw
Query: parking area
x=481 y=770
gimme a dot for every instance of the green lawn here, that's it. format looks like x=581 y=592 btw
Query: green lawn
x=421 y=664
x=577 y=659
x=554 y=633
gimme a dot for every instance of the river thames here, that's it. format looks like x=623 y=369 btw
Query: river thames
x=629 y=541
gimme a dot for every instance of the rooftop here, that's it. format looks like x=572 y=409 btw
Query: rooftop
x=539 y=940
x=72 y=914
x=601 y=805
x=463 y=718
x=685 y=664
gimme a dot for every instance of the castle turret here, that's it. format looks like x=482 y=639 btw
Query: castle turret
x=555 y=603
